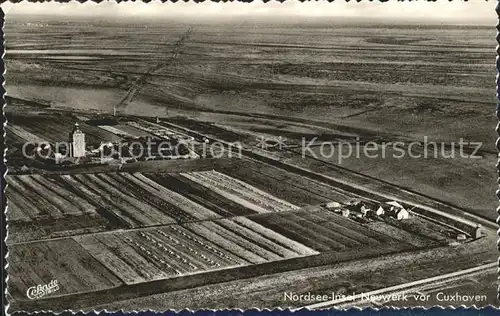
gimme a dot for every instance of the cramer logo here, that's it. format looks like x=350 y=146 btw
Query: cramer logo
x=39 y=291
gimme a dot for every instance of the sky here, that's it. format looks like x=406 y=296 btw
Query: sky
x=457 y=11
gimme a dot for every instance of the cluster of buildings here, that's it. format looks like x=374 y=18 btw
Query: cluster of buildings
x=151 y=142
x=158 y=145
x=365 y=212
x=362 y=210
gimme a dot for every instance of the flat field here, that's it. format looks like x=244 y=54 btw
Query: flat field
x=459 y=180
x=328 y=79
x=207 y=226
x=360 y=275
x=240 y=80
x=122 y=200
x=211 y=251
x=54 y=205
x=41 y=262
x=292 y=187
x=55 y=128
x=375 y=76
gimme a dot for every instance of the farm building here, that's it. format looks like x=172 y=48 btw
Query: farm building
x=345 y=212
x=395 y=204
x=380 y=211
x=354 y=206
x=461 y=237
x=471 y=228
x=333 y=205
x=477 y=232
x=402 y=214
x=366 y=210
x=354 y=203
x=394 y=209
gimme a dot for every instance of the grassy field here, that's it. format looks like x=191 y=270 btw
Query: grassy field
x=452 y=176
x=361 y=275
x=286 y=185
x=376 y=75
x=461 y=181
x=478 y=284
x=41 y=262
x=334 y=80
x=378 y=83
x=169 y=257
x=44 y=127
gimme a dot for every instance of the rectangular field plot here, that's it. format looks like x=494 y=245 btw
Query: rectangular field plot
x=175 y=250
x=138 y=201
x=40 y=206
x=326 y=231
x=43 y=205
x=63 y=260
x=240 y=192
x=200 y=194
x=41 y=127
x=125 y=130
x=285 y=185
x=37 y=196
x=126 y=200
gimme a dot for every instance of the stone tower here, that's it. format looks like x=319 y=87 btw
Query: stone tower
x=77 y=140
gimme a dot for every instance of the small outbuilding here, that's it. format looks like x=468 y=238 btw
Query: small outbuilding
x=402 y=214
x=461 y=237
x=333 y=205
x=380 y=211
x=345 y=212
x=477 y=231
x=366 y=210
x=395 y=204
x=396 y=210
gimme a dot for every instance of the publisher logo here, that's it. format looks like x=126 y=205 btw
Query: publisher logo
x=41 y=290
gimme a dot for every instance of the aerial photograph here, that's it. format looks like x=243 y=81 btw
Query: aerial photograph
x=250 y=155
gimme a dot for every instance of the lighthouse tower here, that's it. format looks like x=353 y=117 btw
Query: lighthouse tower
x=77 y=141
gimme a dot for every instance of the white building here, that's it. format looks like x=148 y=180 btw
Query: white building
x=398 y=210
x=77 y=140
x=366 y=210
x=402 y=214
x=380 y=211
x=395 y=204
x=333 y=205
